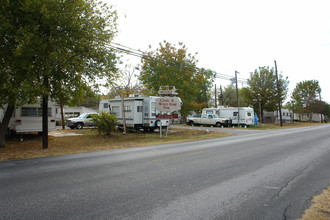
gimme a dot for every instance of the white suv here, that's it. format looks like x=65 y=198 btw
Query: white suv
x=84 y=119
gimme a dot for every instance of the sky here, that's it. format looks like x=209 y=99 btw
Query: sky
x=239 y=35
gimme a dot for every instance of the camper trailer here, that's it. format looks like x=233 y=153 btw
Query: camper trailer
x=28 y=118
x=140 y=112
x=246 y=114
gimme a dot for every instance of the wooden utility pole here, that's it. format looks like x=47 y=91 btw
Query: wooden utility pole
x=237 y=99
x=215 y=95
x=278 y=94
x=320 y=101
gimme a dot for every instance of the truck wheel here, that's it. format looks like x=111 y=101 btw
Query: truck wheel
x=79 y=125
x=191 y=123
x=218 y=124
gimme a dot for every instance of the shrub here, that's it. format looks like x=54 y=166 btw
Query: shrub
x=105 y=122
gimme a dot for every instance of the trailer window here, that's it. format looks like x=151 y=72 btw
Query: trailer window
x=106 y=105
x=33 y=112
x=249 y=114
x=139 y=108
x=235 y=113
x=115 y=110
x=127 y=108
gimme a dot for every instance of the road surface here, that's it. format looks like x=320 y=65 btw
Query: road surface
x=270 y=174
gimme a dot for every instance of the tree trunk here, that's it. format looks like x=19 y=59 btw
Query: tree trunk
x=62 y=116
x=4 y=124
x=45 y=121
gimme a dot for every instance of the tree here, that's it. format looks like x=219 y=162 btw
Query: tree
x=326 y=111
x=261 y=92
x=172 y=66
x=56 y=46
x=305 y=94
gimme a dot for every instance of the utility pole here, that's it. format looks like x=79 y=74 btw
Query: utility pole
x=215 y=95
x=278 y=94
x=237 y=99
x=320 y=101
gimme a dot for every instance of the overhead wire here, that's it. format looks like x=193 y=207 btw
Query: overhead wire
x=138 y=53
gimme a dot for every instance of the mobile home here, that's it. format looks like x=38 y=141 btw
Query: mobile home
x=140 y=112
x=28 y=118
x=246 y=114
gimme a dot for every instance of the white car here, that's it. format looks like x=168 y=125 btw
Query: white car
x=84 y=119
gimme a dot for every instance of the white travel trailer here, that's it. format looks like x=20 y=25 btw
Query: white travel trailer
x=28 y=118
x=104 y=105
x=140 y=112
x=246 y=114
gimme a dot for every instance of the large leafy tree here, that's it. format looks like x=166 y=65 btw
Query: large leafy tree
x=170 y=65
x=306 y=94
x=50 y=48
x=262 y=93
x=228 y=96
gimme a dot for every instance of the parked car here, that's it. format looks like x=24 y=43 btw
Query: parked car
x=85 y=119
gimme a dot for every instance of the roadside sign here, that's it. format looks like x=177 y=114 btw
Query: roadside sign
x=168 y=104
x=167 y=92
x=167 y=116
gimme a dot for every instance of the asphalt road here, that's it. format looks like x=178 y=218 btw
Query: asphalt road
x=269 y=174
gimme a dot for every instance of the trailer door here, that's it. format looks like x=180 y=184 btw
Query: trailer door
x=138 y=112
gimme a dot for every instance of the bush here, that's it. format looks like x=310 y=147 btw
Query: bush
x=105 y=122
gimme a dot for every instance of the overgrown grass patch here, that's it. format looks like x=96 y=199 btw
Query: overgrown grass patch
x=91 y=141
x=320 y=208
x=285 y=125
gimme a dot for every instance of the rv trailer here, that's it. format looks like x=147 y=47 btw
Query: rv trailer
x=28 y=118
x=246 y=114
x=140 y=112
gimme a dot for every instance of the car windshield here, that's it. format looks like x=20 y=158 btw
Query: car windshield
x=83 y=115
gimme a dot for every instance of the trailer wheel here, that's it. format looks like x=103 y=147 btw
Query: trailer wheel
x=79 y=125
x=157 y=123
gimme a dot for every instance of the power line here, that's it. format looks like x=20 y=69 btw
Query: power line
x=138 y=53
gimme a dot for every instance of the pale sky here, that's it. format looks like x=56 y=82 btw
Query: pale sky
x=240 y=35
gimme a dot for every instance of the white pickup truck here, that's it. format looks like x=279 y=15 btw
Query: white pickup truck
x=208 y=119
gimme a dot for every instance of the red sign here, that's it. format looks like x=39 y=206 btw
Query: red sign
x=167 y=116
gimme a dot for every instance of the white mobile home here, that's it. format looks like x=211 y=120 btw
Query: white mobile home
x=140 y=112
x=28 y=118
x=313 y=117
x=246 y=114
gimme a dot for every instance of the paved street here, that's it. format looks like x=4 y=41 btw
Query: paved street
x=268 y=174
